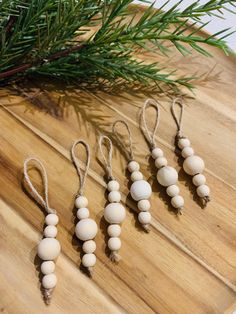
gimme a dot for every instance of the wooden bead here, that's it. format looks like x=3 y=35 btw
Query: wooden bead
x=187 y=152
x=89 y=246
x=47 y=267
x=203 y=190
x=199 y=179
x=177 y=201
x=161 y=162
x=157 y=152
x=89 y=260
x=140 y=190
x=114 y=230
x=86 y=229
x=144 y=218
x=133 y=166
x=114 y=244
x=49 y=281
x=50 y=232
x=82 y=213
x=114 y=213
x=136 y=176
x=144 y=205
x=114 y=196
x=49 y=249
x=113 y=185
x=183 y=142
x=193 y=165
x=172 y=190
x=167 y=176
x=81 y=202
x=51 y=219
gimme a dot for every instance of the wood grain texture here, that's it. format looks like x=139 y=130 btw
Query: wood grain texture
x=185 y=265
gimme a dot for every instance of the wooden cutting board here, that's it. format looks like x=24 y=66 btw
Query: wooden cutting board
x=185 y=264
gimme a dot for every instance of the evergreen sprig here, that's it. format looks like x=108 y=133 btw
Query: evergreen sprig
x=89 y=41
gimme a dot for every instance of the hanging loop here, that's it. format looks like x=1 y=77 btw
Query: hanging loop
x=178 y=121
x=82 y=178
x=150 y=135
x=107 y=161
x=129 y=152
x=42 y=200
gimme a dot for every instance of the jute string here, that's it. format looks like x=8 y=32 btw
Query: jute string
x=178 y=120
x=127 y=150
x=82 y=178
x=107 y=161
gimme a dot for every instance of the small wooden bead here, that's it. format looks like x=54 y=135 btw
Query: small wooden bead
x=113 y=185
x=167 y=176
x=47 y=267
x=187 y=152
x=183 y=142
x=86 y=229
x=133 y=166
x=49 y=281
x=157 y=152
x=89 y=260
x=50 y=232
x=89 y=246
x=177 y=201
x=82 y=213
x=51 y=219
x=172 y=190
x=114 y=244
x=144 y=218
x=144 y=205
x=114 y=230
x=136 y=176
x=161 y=162
x=140 y=190
x=199 y=179
x=81 y=202
x=193 y=165
x=114 y=213
x=203 y=190
x=114 y=196
x=49 y=249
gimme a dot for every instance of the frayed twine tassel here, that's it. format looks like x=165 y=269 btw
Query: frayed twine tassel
x=146 y=227
x=115 y=257
x=47 y=296
x=90 y=271
x=179 y=211
x=205 y=200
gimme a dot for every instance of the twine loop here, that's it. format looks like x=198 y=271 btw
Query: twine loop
x=42 y=200
x=82 y=178
x=127 y=150
x=107 y=161
x=178 y=120
x=150 y=135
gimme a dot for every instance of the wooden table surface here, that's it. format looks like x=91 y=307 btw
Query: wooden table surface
x=185 y=264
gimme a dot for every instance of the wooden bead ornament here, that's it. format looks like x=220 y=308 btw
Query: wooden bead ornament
x=140 y=189
x=167 y=176
x=86 y=228
x=114 y=212
x=49 y=247
x=193 y=165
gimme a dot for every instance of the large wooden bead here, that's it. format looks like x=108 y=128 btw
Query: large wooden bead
x=113 y=185
x=114 y=230
x=193 y=165
x=47 y=267
x=144 y=205
x=177 y=201
x=167 y=176
x=89 y=246
x=49 y=281
x=144 y=218
x=114 y=244
x=203 y=190
x=86 y=229
x=199 y=179
x=89 y=260
x=140 y=190
x=49 y=249
x=81 y=202
x=114 y=196
x=133 y=166
x=50 y=232
x=51 y=219
x=114 y=213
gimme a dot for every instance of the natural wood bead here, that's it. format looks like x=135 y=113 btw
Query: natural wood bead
x=49 y=281
x=144 y=205
x=114 y=213
x=51 y=219
x=183 y=142
x=86 y=229
x=177 y=201
x=114 y=230
x=136 y=176
x=49 y=249
x=114 y=196
x=199 y=179
x=193 y=165
x=161 y=162
x=187 y=152
x=144 y=218
x=50 y=232
x=140 y=190
x=157 y=152
x=89 y=260
x=133 y=166
x=81 y=201
x=89 y=246
x=172 y=190
x=113 y=185
x=203 y=191
x=82 y=213
x=47 y=267
x=114 y=244
x=167 y=176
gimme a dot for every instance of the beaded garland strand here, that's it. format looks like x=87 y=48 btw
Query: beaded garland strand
x=48 y=248
x=193 y=165
x=166 y=176
x=140 y=189
x=86 y=229
x=114 y=212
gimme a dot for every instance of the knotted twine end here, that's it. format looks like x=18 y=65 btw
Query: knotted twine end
x=115 y=257
x=47 y=295
x=146 y=227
